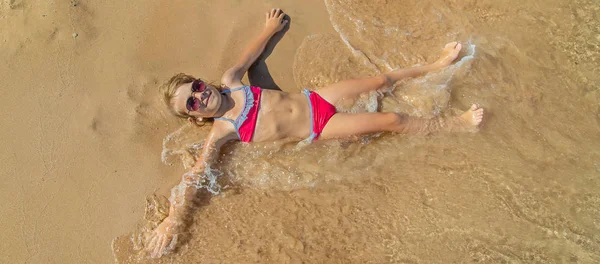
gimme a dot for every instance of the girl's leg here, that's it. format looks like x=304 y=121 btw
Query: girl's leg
x=343 y=125
x=351 y=89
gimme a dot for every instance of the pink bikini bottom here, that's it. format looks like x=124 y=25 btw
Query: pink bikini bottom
x=320 y=113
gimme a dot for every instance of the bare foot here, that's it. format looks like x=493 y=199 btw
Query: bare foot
x=472 y=117
x=449 y=54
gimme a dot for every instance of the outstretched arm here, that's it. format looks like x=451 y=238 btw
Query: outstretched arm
x=164 y=237
x=184 y=194
x=274 y=23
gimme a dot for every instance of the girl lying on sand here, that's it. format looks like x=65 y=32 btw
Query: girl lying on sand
x=251 y=114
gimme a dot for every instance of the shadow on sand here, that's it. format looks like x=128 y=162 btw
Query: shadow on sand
x=259 y=74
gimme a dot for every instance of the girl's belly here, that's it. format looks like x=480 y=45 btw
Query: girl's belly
x=282 y=116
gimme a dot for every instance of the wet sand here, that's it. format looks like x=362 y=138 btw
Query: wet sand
x=83 y=131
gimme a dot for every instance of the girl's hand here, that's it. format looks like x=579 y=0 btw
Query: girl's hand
x=198 y=168
x=164 y=237
x=275 y=21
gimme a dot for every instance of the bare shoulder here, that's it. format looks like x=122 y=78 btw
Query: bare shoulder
x=217 y=137
x=231 y=78
x=222 y=130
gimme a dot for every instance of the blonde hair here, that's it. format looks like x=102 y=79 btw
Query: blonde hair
x=168 y=91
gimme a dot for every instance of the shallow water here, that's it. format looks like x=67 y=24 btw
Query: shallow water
x=525 y=188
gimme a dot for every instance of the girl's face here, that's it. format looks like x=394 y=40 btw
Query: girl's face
x=197 y=99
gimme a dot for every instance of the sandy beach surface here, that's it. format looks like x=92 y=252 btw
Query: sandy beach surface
x=86 y=141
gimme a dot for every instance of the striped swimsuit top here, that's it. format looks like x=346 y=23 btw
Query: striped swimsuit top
x=245 y=123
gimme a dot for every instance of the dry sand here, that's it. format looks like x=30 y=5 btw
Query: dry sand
x=82 y=131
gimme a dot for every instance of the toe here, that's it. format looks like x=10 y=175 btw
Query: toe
x=451 y=44
x=473 y=107
x=458 y=46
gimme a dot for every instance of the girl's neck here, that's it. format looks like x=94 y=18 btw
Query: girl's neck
x=227 y=103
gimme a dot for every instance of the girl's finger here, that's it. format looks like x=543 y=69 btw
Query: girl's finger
x=157 y=253
x=153 y=248
x=281 y=15
x=150 y=246
x=273 y=12
x=164 y=244
x=173 y=243
x=267 y=15
x=147 y=239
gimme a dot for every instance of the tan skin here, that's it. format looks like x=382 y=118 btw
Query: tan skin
x=286 y=116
